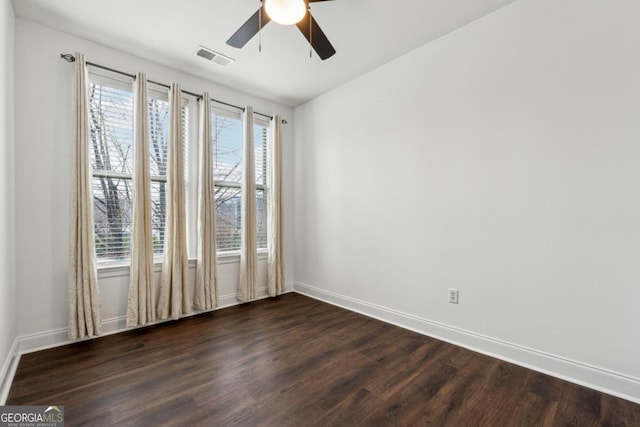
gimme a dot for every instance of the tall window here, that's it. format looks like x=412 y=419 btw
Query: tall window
x=227 y=140
x=111 y=136
x=111 y=139
x=261 y=144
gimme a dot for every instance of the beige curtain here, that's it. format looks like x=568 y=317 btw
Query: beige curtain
x=275 y=274
x=175 y=298
x=206 y=295
x=84 y=295
x=141 y=300
x=248 y=241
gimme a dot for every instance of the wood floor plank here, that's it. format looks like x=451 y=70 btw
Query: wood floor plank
x=295 y=361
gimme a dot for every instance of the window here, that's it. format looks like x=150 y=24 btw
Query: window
x=111 y=136
x=111 y=139
x=261 y=143
x=227 y=139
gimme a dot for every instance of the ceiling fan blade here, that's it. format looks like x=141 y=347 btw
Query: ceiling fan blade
x=318 y=39
x=249 y=29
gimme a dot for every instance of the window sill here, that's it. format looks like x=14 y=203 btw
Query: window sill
x=118 y=269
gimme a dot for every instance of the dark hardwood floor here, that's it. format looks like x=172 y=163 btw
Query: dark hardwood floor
x=294 y=361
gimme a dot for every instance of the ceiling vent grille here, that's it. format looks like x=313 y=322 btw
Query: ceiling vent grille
x=213 y=56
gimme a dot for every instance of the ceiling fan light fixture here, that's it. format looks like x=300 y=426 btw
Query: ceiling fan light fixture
x=286 y=12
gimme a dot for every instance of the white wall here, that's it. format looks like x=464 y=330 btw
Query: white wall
x=501 y=160
x=43 y=153
x=7 y=218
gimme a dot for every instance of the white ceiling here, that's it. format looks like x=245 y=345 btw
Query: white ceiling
x=365 y=34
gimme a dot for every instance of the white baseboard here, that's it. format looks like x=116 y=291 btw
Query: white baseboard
x=8 y=371
x=57 y=337
x=606 y=381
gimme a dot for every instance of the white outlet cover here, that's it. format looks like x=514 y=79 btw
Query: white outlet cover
x=453 y=296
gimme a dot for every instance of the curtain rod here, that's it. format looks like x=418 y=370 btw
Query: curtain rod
x=70 y=58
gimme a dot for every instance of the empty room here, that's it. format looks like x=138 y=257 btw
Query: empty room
x=320 y=212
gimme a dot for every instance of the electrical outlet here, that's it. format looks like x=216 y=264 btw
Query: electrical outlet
x=453 y=296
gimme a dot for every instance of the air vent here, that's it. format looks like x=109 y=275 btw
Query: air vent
x=213 y=56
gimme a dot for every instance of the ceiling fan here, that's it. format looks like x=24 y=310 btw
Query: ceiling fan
x=285 y=12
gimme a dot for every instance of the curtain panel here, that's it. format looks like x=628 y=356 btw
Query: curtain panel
x=142 y=300
x=275 y=267
x=248 y=240
x=175 y=298
x=84 y=297
x=206 y=295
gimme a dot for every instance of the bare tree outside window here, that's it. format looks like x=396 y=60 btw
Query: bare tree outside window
x=227 y=154
x=111 y=135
